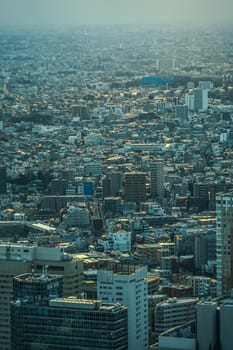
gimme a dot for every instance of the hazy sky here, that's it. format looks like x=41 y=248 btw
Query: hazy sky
x=113 y=11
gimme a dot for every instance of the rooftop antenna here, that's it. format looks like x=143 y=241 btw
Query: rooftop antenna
x=45 y=271
x=33 y=269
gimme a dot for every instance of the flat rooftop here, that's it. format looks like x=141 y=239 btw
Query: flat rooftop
x=90 y=304
x=36 y=278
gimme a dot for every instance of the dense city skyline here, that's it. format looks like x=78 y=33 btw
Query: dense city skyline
x=116 y=174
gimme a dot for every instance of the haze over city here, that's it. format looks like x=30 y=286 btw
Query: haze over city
x=102 y=12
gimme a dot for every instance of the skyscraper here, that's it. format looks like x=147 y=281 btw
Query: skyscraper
x=135 y=186
x=156 y=179
x=116 y=183
x=17 y=259
x=197 y=99
x=181 y=113
x=40 y=320
x=189 y=101
x=2 y=180
x=214 y=326
x=127 y=285
x=200 y=99
x=106 y=184
x=224 y=244
x=207 y=325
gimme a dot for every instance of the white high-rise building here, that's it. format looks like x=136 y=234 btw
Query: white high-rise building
x=197 y=99
x=224 y=243
x=127 y=285
x=189 y=101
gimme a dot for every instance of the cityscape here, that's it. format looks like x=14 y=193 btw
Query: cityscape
x=116 y=186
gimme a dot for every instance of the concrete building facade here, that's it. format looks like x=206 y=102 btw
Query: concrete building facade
x=127 y=285
x=174 y=312
x=156 y=179
x=224 y=244
x=42 y=319
x=17 y=259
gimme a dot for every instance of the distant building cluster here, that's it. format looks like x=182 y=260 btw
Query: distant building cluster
x=116 y=183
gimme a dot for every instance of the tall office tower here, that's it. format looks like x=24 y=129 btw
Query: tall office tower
x=126 y=284
x=116 y=183
x=39 y=321
x=189 y=101
x=200 y=99
x=156 y=179
x=200 y=251
x=17 y=259
x=58 y=187
x=174 y=312
x=106 y=184
x=214 y=324
x=201 y=195
x=226 y=334
x=181 y=113
x=2 y=180
x=135 y=187
x=206 y=325
x=204 y=248
x=224 y=244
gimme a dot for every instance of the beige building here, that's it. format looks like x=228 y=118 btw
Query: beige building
x=148 y=253
x=16 y=259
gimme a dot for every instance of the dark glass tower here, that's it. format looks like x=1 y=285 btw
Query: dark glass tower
x=39 y=321
x=135 y=186
x=2 y=180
